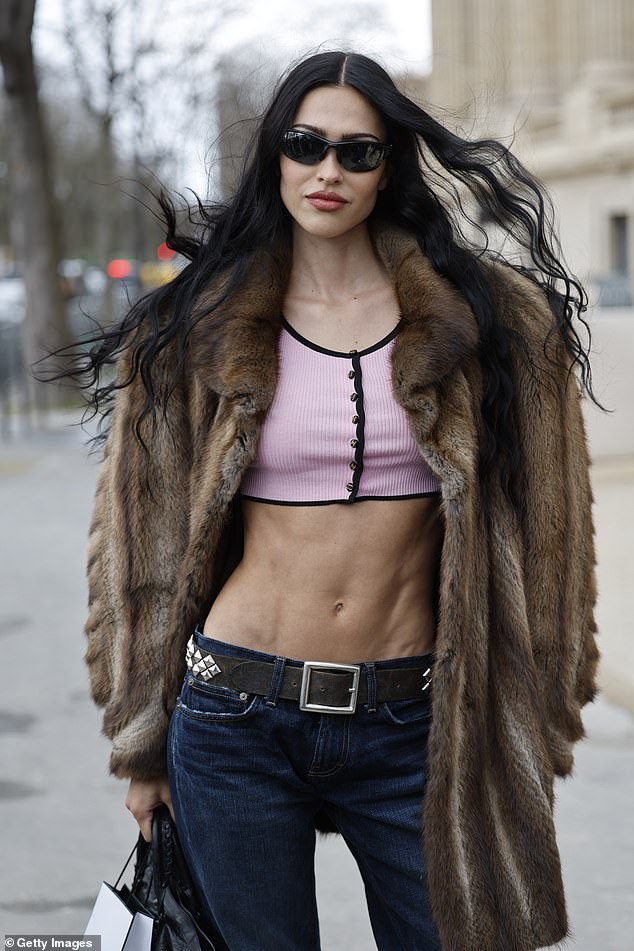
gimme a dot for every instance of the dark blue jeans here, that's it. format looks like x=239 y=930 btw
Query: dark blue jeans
x=247 y=779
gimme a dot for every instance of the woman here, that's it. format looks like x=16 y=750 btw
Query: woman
x=344 y=435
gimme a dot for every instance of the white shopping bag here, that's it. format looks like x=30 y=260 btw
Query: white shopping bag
x=120 y=928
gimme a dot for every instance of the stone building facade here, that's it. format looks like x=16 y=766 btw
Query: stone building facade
x=555 y=78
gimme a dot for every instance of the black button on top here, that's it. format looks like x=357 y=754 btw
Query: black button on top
x=352 y=351
x=353 y=466
x=354 y=443
x=349 y=486
x=355 y=420
x=354 y=397
x=351 y=374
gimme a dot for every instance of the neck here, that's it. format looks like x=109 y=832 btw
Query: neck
x=334 y=269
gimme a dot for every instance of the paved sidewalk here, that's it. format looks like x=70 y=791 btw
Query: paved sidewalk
x=613 y=486
x=64 y=826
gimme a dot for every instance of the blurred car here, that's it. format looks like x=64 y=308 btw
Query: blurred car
x=95 y=279
x=79 y=278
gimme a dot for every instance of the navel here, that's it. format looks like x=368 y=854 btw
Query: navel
x=338 y=607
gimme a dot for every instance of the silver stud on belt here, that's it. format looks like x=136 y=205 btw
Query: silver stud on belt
x=427 y=679
x=200 y=662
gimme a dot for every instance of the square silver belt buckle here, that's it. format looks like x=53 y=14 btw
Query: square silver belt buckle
x=309 y=666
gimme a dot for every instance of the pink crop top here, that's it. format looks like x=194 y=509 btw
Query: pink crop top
x=334 y=432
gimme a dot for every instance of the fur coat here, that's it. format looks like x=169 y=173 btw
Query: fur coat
x=515 y=648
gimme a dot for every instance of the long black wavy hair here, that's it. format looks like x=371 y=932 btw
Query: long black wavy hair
x=430 y=167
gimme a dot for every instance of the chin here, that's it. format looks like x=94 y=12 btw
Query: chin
x=329 y=228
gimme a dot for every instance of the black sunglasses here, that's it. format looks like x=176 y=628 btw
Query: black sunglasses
x=355 y=155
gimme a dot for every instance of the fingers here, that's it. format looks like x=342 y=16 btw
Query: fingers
x=167 y=799
x=144 y=821
x=143 y=798
x=145 y=825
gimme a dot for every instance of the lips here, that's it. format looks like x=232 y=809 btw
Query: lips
x=326 y=201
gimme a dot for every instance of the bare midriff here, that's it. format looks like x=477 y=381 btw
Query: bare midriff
x=342 y=583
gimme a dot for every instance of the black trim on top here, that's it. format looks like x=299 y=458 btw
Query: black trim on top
x=359 y=410
x=338 y=353
x=358 y=498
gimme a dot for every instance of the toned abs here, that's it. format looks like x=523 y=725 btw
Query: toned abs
x=339 y=582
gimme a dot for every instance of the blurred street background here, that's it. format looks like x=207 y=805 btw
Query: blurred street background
x=101 y=100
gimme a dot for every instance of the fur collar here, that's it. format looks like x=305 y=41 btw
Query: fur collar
x=233 y=348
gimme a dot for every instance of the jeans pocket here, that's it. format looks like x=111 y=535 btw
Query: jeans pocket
x=404 y=712
x=208 y=701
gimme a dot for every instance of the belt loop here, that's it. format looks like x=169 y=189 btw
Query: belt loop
x=276 y=682
x=371 y=681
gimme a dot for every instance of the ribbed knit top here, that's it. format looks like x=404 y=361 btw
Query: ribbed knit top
x=334 y=432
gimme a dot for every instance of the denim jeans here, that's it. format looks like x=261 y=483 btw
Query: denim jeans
x=248 y=777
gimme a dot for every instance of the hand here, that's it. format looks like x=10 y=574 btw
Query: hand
x=143 y=798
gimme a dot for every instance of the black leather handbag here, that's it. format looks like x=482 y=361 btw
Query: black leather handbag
x=163 y=889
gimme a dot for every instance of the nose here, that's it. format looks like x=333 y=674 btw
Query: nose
x=329 y=167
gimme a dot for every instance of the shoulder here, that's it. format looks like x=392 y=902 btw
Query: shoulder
x=521 y=301
x=543 y=368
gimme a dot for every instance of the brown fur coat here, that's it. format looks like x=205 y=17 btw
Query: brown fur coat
x=515 y=647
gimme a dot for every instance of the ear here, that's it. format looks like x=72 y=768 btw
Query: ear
x=385 y=177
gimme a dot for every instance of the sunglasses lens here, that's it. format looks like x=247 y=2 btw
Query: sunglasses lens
x=303 y=147
x=360 y=156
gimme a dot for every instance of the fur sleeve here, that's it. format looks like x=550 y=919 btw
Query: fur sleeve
x=137 y=532
x=556 y=523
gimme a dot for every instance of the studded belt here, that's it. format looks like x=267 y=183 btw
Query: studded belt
x=318 y=686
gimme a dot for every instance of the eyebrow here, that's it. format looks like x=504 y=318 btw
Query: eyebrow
x=348 y=136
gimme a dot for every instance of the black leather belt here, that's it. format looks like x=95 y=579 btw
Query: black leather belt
x=318 y=686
